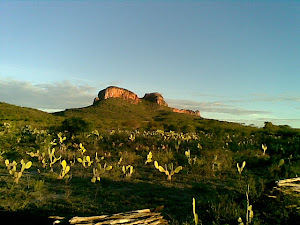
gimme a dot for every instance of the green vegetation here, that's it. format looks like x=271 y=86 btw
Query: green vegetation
x=115 y=157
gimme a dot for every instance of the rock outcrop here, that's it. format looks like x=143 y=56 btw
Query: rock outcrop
x=156 y=98
x=116 y=92
x=187 y=111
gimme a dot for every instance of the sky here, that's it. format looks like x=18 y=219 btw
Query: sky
x=231 y=60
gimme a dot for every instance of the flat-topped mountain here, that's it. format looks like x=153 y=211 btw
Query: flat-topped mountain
x=117 y=92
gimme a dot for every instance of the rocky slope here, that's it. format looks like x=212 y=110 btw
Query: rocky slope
x=117 y=92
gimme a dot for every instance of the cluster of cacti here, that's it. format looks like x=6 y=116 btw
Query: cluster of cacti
x=12 y=168
x=127 y=170
x=249 y=211
x=98 y=171
x=95 y=136
x=168 y=170
x=191 y=160
x=41 y=157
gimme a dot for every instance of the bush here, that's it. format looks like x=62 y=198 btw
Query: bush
x=75 y=125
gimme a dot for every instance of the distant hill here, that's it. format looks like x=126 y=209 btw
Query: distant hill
x=118 y=108
x=117 y=113
x=117 y=92
x=24 y=115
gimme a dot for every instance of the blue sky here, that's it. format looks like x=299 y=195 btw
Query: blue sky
x=232 y=60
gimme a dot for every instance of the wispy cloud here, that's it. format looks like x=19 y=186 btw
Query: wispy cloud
x=261 y=97
x=284 y=97
x=216 y=107
x=60 y=95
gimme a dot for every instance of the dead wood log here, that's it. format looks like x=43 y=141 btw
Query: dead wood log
x=144 y=216
x=290 y=187
x=291 y=180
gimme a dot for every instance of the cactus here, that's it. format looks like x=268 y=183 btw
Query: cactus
x=52 y=157
x=85 y=160
x=12 y=169
x=97 y=159
x=81 y=149
x=168 y=170
x=240 y=169
x=149 y=158
x=131 y=137
x=249 y=213
x=281 y=162
x=65 y=169
x=1 y=153
x=120 y=160
x=177 y=145
x=199 y=146
x=240 y=221
x=97 y=172
x=194 y=212
x=61 y=138
x=32 y=154
x=264 y=147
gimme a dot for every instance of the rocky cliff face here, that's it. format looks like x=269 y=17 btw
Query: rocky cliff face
x=116 y=92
